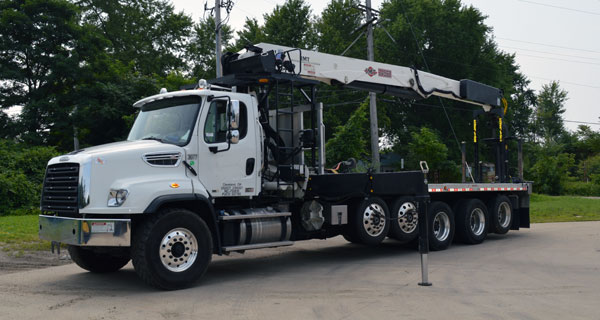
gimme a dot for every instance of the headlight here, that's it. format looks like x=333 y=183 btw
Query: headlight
x=117 y=197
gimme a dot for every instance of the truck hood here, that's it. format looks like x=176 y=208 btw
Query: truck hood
x=142 y=167
x=129 y=146
x=118 y=151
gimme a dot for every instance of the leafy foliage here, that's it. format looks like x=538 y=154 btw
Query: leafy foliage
x=550 y=107
x=251 y=33
x=21 y=176
x=201 y=51
x=350 y=140
x=290 y=25
x=551 y=172
x=426 y=146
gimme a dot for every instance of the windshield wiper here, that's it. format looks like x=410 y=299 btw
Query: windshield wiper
x=154 y=138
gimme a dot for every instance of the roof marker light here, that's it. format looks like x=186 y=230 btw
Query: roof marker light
x=203 y=84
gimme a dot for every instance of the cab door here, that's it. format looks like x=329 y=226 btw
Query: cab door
x=228 y=169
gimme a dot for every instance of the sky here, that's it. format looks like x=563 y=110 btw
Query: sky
x=552 y=39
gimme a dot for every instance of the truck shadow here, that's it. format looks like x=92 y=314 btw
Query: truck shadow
x=276 y=262
x=298 y=259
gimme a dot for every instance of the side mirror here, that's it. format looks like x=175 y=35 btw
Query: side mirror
x=234 y=114
x=234 y=136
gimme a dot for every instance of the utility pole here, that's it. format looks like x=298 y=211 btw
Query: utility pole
x=372 y=97
x=218 y=37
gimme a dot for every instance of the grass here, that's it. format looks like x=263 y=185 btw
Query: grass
x=545 y=208
x=20 y=233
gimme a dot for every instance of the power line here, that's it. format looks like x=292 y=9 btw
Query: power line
x=547 y=52
x=572 y=83
x=559 y=7
x=559 y=59
x=549 y=45
x=583 y=122
x=493 y=69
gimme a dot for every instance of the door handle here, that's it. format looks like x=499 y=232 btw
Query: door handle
x=249 y=166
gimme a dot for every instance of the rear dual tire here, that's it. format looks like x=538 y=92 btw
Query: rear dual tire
x=472 y=221
x=440 y=226
x=404 y=220
x=501 y=215
x=370 y=223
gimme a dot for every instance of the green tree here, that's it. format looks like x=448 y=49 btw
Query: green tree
x=251 y=33
x=42 y=60
x=550 y=172
x=351 y=139
x=290 y=25
x=144 y=49
x=519 y=117
x=147 y=35
x=335 y=29
x=427 y=146
x=21 y=176
x=456 y=43
x=550 y=108
x=201 y=50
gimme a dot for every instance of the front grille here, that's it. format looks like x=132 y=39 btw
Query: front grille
x=60 y=192
x=163 y=159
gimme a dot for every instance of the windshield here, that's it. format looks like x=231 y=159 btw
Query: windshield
x=169 y=120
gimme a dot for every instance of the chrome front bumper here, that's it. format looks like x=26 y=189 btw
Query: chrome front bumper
x=86 y=232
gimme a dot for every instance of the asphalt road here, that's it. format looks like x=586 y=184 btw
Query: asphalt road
x=551 y=271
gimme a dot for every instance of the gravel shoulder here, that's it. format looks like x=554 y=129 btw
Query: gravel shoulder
x=11 y=262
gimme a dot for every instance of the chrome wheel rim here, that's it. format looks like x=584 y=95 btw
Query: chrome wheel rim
x=408 y=217
x=441 y=226
x=374 y=220
x=178 y=250
x=504 y=215
x=477 y=221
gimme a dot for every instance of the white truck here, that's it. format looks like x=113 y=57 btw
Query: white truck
x=239 y=164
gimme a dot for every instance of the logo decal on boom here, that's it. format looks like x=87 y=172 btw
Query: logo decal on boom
x=370 y=71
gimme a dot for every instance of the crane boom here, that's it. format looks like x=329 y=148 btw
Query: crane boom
x=361 y=74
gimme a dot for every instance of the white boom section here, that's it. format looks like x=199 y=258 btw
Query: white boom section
x=327 y=68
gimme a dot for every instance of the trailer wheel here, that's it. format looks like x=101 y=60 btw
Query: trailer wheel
x=472 y=221
x=404 y=220
x=441 y=226
x=99 y=260
x=371 y=221
x=172 y=249
x=501 y=214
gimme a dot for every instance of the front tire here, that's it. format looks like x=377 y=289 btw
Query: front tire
x=172 y=249
x=99 y=260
